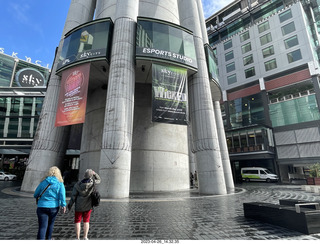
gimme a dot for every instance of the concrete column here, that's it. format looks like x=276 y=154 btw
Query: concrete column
x=223 y=148
x=115 y=160
x=50 y=142
x=204 y=131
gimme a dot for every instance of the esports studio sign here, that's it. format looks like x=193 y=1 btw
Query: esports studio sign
x=29 y=77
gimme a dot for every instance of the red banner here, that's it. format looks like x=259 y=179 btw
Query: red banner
x=73 y=96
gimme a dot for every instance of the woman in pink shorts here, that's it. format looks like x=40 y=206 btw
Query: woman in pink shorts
x=83 y=206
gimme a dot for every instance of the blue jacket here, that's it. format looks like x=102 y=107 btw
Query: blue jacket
x=54 y=196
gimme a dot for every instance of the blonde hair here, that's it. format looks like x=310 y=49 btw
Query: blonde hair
x=54 y=171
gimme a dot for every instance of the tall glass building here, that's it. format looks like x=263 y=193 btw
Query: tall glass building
x=268 y=55
x=140 y=77
x=22 y=91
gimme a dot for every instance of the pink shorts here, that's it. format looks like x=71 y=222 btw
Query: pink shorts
x=85 y=215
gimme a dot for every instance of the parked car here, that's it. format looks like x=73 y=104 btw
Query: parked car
x=7 y=176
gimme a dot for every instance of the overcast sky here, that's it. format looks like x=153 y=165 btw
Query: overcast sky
x=32 y=28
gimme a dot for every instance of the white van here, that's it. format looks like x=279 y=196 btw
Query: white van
x=258 y=174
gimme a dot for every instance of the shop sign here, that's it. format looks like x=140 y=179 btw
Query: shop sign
x=29 y=77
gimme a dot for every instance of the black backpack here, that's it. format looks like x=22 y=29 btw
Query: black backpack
x=95 y=197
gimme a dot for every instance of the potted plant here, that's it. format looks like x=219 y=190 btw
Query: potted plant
x=314 y=175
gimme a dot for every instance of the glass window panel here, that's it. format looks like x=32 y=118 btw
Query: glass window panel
x=244 y=36
x=269 y=65
x=268 y=51
x=285 y=15
x=265 y=39
x=25 y=133
x=232 y=79
x=229 y=56
x=294 y=111
x=13 y=128
x=227 y=45
x=267 y=9
x=246 y=48
x=3 y=106
x=27 y=106
x=294 y=56
x=248 y=60
x=2 y=120
x=250 y=72
x=246 y=111
x=6 y=69
x=263 y=27
x=161 y=37
x=291 y=42
x=189 y=49
x=230 y=67
x=288 y=28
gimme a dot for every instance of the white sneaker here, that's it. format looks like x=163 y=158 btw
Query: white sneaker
x=86 y=238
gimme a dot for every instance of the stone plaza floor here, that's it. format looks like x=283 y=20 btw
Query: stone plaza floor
x=164 y=216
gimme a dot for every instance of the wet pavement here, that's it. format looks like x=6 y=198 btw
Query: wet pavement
x=165 y=216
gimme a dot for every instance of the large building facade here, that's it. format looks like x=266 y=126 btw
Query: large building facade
x=22 y=91
x=140 y=78
x=268 y=55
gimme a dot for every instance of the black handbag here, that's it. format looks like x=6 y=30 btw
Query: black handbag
x=37 y=199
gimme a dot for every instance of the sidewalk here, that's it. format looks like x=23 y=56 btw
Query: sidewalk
x=164 y=216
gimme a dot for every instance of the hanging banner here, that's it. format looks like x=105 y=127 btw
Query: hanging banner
x=169 y=94
x=73 y=96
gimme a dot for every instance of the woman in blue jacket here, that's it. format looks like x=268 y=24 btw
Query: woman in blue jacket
x=49 y=202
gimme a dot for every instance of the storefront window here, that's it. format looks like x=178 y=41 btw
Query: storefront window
x=164 y=40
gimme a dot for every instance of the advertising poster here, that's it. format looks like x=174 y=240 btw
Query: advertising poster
x=169 y=94
x=73 y=96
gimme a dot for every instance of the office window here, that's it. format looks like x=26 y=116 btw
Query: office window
x=248 y=60
x=265 y=39
x=244 y=36
x=268 y=51
x=291 y=42
x=246 y=48
x=288 y=28
x=229 y=56
x=285 y=15
x=230 y=67
x=263 y=27
x=250 y=72
x=294 y=56
x=271 y=64
x=227 y=44
x=232 y=79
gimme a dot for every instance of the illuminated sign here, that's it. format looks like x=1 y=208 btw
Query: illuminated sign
x=29 y=77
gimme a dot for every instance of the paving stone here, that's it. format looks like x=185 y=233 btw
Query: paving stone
x=183 y=216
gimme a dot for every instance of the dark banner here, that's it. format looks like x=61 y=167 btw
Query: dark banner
x=73 y=95
x=169 y=94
